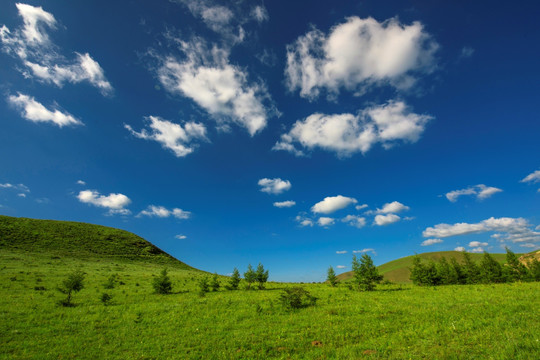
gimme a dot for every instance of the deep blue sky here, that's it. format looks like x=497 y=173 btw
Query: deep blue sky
x=170 y=118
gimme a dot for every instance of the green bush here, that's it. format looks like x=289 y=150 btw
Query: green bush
x=162 y=284
x=73 y=283
x=105 y=298
x=296 y=298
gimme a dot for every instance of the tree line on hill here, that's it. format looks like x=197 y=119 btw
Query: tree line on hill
x=487 y=271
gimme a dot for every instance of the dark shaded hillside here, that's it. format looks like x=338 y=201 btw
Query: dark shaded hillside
x=398 y=271
x=74 y=239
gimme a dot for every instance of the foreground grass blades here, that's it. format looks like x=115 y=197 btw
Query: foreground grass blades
x=395 y=322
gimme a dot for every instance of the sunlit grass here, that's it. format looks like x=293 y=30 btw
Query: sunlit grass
x=394 y=322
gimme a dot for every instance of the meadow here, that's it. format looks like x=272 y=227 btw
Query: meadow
x=394 y=322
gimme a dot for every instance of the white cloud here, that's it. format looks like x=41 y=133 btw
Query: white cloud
x=459 y=248
x=510 y=229
x=364 y=251
x=532 y=178
x=477 y=250
x=81 y=182
x=360 y=207
x=17 y=187
x=486 y=191
x=528 y=245
x=174 y=137
x=23 y=195
x=162 y=212
x=354 y=220
x=284 y=204
x=357 y=55
x=34 y=111
x=326 y=221
x=383 y=220
x=481 y=191
x=260 y=14
x=345 y=134
x=341 y=267
x=181 y=237
x=274 y=186
x=116 y=203
x=429 y=242
x=477 y=244
x=341 y=252
x=222 y=89
x=395 y=207
x=331 y=204
x=303 y=220
x=31 y=45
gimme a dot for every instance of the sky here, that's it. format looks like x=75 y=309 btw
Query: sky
x=292 y=134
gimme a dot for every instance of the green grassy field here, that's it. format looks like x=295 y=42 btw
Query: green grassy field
x=394 y=322
x=398 y=271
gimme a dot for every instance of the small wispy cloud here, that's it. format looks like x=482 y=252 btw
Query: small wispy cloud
x=481 y=192
x=274 y=186
x=163 y=212
x=429 y=242
x=284 y=204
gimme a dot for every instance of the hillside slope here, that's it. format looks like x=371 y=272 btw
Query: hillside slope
x=398 y=270
x=75 y=239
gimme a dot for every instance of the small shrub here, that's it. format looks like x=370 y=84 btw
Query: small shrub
x=106 y=299
x=296 y=298
x=111 y=282
x=203 y=286
x=39 y=288
x=162 y=283
x=214 y=283
x=73 y=283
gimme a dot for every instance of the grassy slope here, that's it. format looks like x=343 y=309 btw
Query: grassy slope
x=398 y=270
x=80 y=240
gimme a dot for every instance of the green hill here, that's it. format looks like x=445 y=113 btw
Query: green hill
x=398 y=271
x=79 y=240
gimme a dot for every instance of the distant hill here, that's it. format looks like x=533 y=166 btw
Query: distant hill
x=526 y=258
x=398 y=271
x=75 y=239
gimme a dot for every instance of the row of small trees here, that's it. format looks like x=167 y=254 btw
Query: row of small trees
x=162 y=283
x=487 y=271
x=366 y=274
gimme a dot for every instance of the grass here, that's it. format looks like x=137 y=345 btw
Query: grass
x=395 y=322
x=398 y=271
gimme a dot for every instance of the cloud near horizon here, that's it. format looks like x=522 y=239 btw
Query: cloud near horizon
x=163 y=212
x=429 y=242
x=507 y=229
